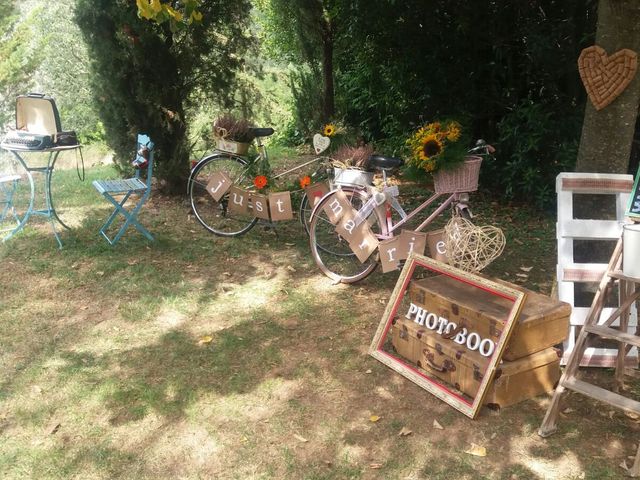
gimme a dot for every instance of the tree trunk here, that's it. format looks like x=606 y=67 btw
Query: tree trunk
x=607 y=134
x=328 y=103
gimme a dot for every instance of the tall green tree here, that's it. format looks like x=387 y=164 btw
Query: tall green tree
x=18 y=58
x=43 y=52
x=146 y=75
x=303 y=32
x=507 y=69
x=63 y=69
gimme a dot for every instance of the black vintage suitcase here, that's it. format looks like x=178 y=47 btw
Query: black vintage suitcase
x=37 y=113
x=38 y=124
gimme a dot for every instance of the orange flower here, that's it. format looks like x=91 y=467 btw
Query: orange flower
x=260 y=182
x=305 y=181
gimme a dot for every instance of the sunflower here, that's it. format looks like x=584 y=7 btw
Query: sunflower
x=435 y=127
x=260 y=182
x=453 y=132
x=429 y=165
x=305 y=181
x=329 y=130
x=436 y=146
x=430 y=146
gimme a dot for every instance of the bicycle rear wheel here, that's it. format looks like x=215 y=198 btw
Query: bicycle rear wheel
x=215 y=216
x=305 y=213
x=331 y=252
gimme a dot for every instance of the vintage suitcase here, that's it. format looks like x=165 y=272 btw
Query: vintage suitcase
x=37 y=113
x=542 y=323
x=38 y=124
x=463 y=369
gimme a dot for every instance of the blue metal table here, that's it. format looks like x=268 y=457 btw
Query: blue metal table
x=49 y=211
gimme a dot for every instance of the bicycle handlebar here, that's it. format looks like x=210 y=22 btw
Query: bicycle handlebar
x=482 y=146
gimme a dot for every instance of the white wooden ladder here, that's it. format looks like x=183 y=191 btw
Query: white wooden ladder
x=594 y=327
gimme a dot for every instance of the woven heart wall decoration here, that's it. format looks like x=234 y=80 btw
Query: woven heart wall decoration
x=606 y=76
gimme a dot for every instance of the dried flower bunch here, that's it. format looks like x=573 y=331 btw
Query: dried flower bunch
x=437 y=146
x=347 y=156
x=229 y=127
x=343 y=152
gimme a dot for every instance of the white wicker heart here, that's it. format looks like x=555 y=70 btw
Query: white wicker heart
x=470 y=247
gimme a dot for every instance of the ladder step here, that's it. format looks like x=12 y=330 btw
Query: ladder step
x=583 y=273
x=621 y=276
x=602 y=395
x=613 y=334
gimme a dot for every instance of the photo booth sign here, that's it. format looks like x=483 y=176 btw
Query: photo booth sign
x=453 y=362
x=633 y=209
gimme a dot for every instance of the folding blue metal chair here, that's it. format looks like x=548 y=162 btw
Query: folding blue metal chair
x=124 y=188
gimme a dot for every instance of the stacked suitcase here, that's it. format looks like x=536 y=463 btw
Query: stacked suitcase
x=530 y=364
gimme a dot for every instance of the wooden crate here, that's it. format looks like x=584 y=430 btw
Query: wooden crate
x=542 y=323
x=463 y=369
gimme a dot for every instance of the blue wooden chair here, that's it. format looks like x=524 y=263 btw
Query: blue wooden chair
x=124 y=188
x=8 y=187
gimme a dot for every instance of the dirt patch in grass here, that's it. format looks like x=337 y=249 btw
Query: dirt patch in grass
x=203 y=357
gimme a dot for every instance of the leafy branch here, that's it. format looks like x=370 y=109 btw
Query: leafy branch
x=178 y=14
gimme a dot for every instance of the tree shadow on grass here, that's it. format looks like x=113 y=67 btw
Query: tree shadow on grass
x=318 y=340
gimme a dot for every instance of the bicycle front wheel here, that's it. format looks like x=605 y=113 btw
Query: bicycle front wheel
x=214 y=215
x=331 y=252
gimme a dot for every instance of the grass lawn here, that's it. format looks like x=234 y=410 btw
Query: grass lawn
x=200 y=357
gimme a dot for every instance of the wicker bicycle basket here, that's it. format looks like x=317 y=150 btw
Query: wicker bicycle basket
x=463 y=178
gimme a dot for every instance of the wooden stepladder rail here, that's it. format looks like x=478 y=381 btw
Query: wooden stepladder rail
x=574 y=276
x=596 y=327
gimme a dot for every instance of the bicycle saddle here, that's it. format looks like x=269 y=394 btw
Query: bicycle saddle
x=262 y=132
x=380 y=162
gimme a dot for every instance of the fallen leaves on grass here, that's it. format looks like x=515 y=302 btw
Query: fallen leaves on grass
x=526 y=269
x=404 y=432
x=437 y=425
x=205 y=340
x=300 y=438
x=374 y=418
x=52 y=427
x=375 y=466
x=476 y=450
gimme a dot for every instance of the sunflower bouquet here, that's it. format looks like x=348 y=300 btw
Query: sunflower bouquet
x=437 y=146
